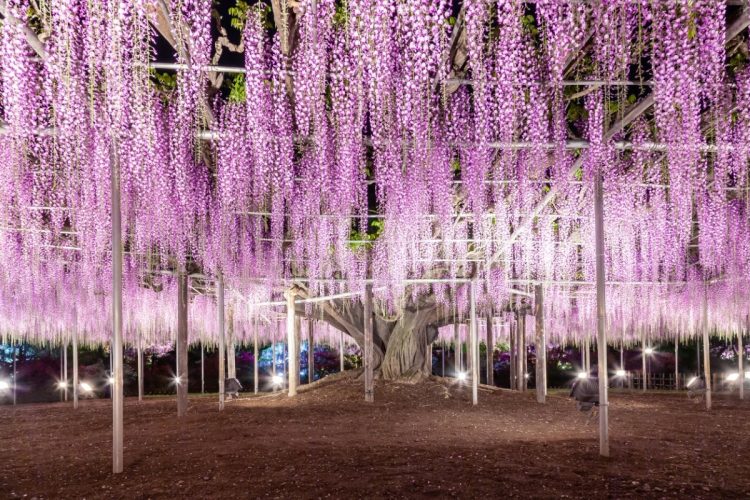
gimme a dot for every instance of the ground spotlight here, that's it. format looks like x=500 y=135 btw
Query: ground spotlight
x=111 y=380
x=176 y=380
x=525 y=375
x=277 y=380
x=747 y=375
x=4 y=385
x=649 y=351
x=733 y=377
x=582 y=375
x=620 y=373
x=692 y=381
x=85 y=387
x=462 y=376
x=62 y=384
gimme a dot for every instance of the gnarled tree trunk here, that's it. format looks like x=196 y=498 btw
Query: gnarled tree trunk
x=407 y=355
x=400 y=346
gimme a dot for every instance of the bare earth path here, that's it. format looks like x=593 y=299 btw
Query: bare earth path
x=412 y=442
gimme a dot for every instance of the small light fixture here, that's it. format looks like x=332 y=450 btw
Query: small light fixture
x=176 y=380
x=111 y=380
x=733 y=377
x=692 y=381
x=277 y=380
x=582 y=375
x=462 y=376
x=85 y=387
x=649 y=351
x=4 y=385
x=62 y=384
x=620 y=373
x=525 y=375
x=747 y=375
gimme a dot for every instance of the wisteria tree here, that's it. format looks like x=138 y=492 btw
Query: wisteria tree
x=320 y=145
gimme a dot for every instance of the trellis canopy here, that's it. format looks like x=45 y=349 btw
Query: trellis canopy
x=328 y=144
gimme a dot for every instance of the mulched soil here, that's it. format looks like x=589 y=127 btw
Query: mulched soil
x=414 y=441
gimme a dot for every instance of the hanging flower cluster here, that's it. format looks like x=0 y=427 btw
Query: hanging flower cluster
x=364 y=149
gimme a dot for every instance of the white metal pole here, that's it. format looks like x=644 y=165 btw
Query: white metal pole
x=15 y=384
x=139 y=354
x=291 y=340
x=490 y=352
x=601 y=317
x=706 y=349
x=203 y=371
x=62 y=371
x=456 y=348
x=474 y=343
x=273 y=358
x=65 y=369
x=541 y=345
x=116 y=388
x=182 y=350
x=75 y=368
x=310 y=351
x=741 y=360
x=643 y=360
x=369 y=375
x=220 y=313
x=255 y=359
x=523 y=356
x=676 y=363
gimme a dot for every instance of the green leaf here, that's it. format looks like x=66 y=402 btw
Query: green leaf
x=166 y=82
x=237 y=89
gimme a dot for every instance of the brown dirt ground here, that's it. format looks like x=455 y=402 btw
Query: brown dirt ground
x=412 y=442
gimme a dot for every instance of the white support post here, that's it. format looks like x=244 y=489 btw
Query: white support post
x=65 y=369
x=456 y=348
x=310 y=350
x=706 y=349
x=273 y=357
x=182 y=350
x=117 y=387
x=474 y=343
x=369 y=375
x=298 y=349
x=644 y=382
x=15 y=384
x=62 y=373
x=220 y=333
x=231 y=351
x=676 y=363
x=521 y=355
x=741 y=360
x=541 y=345
x=490 y=352
x=75 y=368
x=139 y=354
x=601 y=317
x=255 y=359
x=291 y=339
x=203 y=371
